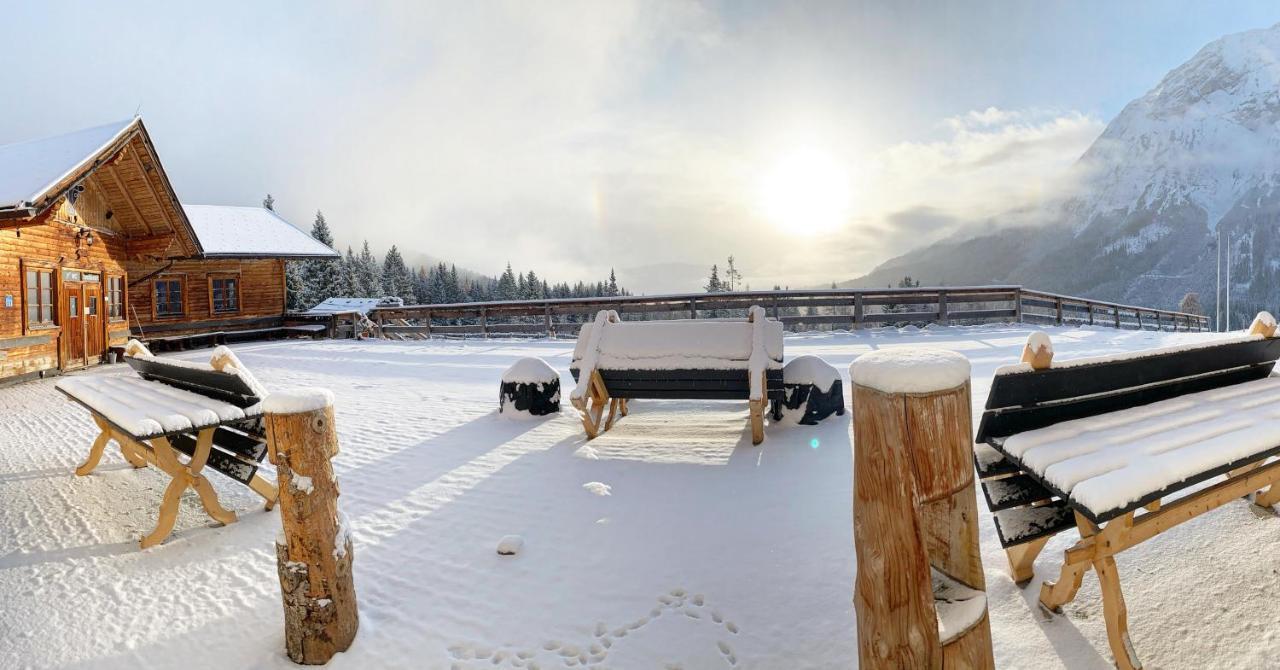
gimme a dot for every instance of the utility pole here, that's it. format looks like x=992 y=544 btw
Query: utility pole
x=1217 y=294
x=1228 y=283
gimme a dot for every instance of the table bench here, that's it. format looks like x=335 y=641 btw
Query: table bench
x=210 y=413
x=719 y=359
x=1116 y=447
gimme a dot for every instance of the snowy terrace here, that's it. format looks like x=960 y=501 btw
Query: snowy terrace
x=670 y=541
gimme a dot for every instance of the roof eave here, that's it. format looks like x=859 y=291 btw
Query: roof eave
x=266 y=255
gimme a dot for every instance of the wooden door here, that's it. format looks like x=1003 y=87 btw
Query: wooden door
x=73 y=344
x=94 y=337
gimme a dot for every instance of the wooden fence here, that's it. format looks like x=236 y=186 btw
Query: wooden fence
x=798 y=310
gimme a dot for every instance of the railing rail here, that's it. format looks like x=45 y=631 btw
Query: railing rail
x=850 y=308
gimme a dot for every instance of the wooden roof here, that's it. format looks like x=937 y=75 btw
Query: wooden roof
x=125 y=173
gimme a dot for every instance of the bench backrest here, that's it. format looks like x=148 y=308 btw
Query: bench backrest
x=663 y=344
x=1024 y=400
x=224 y=386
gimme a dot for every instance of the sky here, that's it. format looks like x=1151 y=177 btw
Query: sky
x=809 y=140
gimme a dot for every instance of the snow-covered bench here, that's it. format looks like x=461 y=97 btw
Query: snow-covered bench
x=209 y=412
x=730 y=359
x=1111 y=445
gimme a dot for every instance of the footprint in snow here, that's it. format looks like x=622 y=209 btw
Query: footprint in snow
x=598 y=488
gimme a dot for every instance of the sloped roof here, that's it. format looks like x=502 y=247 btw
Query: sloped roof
x=251 y=232
x=29 y=169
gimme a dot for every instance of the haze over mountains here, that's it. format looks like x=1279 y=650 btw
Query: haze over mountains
x=1198 y=153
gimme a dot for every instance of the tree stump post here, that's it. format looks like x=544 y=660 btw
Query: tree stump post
x=915 y=513
x=314 y=552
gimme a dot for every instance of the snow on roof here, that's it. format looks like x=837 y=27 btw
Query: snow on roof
x=28 y=169
x=343 y=306
x=250 y=231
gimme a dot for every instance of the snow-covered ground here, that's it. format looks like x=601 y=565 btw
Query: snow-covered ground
x=670 y=541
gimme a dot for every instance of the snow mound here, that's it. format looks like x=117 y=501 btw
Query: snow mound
x=232 y=364
x=809 y=369
x=598 y=488
x=531 y=370
x=510 y=545
x=297 y=401
x=1039 y=340
x=137 y=350
x=959 y=607
x=910 y=370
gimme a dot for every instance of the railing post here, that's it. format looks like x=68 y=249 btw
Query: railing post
x=857 y=311
x=1138 y=314
x=1058 y=304
x=426 y=321
x=1158 y=326
x=693 y=309
x=942 y=308
x=1090 y=314
x=775 y=308
x=1017 y=305
x=915 y=511
x=484 y=322
x=313 y=558
x=551 y=330
x=1115 y=311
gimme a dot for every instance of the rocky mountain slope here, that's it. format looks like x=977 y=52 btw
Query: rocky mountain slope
x=1198 y=153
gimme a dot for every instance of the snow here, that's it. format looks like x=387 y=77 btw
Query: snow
x=1108 y=461
x=145 y=408
x=137 y=350
x=250 y=231
x=1038 y=341
x=705 y=541
x=530 y=370
x=910 y=370
x=343 y=305
x=28 y=169
x=238 y=369
x=680 y=344
x=510 y=545
x=1263 y=320
x=809 y=369
x=297 y=401
x=959 y=607
x=302 y=483
x=598 y=488
x=1210 y=341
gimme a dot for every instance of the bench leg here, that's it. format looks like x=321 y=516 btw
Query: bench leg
x=613 y=413
x=1116 y=614
x=1022 y=559
x=265 y=489
x=757 y=421
x=168 y=512
x=1053 y=595
x=95 y=454
x=209 y=498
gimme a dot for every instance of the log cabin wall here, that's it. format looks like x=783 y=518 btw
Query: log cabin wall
x=59 y=243
x=260 y=296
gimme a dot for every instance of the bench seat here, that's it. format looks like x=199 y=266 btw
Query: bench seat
x=1114 y=463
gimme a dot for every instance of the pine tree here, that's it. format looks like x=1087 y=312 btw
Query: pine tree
x=351 y=274
x=732 y=278
x=324 y=277
x=368 y=274
x=507 y=288
x=611 y=289
x=713 y=282
x=397 y=280
x=455 y=291
x=296 y=297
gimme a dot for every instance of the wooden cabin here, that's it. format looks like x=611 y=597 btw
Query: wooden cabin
x=95 y=247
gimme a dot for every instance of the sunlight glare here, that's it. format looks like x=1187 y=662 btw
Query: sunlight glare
x=806 y=192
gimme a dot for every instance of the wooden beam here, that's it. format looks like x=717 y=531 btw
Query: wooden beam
x=133 y=206
x=155 y=192
x=151 y=245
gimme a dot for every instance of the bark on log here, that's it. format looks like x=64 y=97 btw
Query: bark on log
x=915 y=506
x=314 y=560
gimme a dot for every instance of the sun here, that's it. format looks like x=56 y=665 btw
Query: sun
x=807 y=191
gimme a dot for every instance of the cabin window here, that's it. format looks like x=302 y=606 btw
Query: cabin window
x=39 y=294
x=168 y=295
x=224 y=294
x=115 y=298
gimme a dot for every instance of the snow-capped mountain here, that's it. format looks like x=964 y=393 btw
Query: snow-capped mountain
x=1199 y=152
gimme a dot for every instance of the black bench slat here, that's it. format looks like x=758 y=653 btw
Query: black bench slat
x=215 y=384
x=1024 y=524
x=697 y=394
x=238 y=443
x=1010 y=421
x=1028 y=388
x=219 y=461
x=1011 y=492
x=770 y=375
x=991 y=463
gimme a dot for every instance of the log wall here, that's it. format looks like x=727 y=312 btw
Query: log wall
x=261 y=289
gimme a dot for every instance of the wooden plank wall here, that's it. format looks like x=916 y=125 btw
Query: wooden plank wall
x=261 y=295
x=23 y=352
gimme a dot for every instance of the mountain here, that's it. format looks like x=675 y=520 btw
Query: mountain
x=1198 y=153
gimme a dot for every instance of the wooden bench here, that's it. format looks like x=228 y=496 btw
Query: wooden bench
x=1112 y=447
x=210 y=413
x=719 y=359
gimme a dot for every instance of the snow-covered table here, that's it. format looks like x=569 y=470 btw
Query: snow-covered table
x=614 y=361
x=1112 y=445
x=210 y=412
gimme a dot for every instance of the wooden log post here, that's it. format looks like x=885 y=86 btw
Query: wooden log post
x=314 y=553
x=915 y=512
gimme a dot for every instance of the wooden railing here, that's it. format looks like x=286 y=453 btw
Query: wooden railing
x=797 y=309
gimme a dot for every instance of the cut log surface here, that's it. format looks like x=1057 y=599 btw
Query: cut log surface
x=314 y=562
